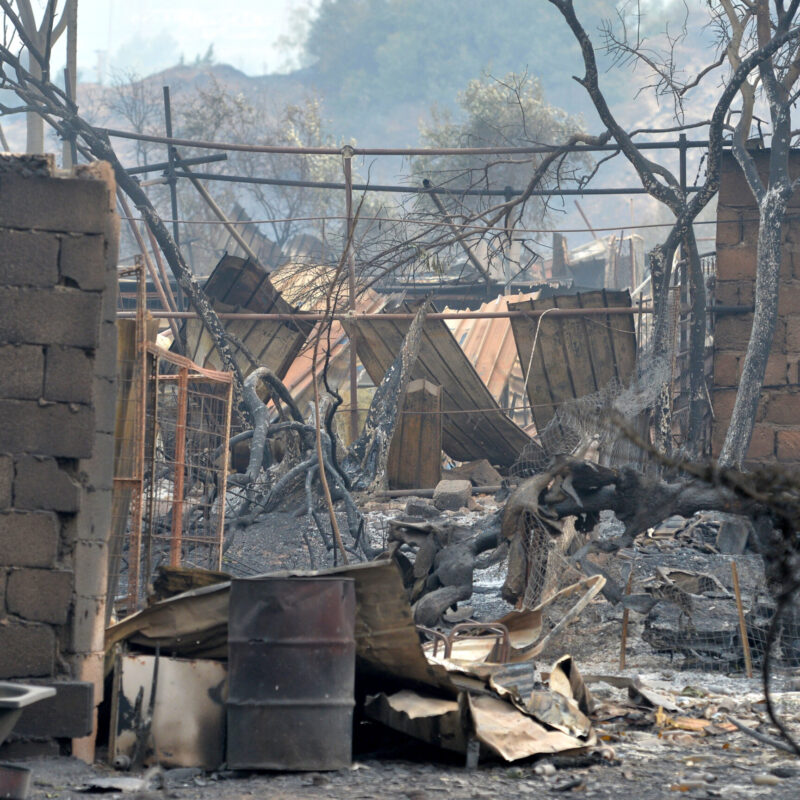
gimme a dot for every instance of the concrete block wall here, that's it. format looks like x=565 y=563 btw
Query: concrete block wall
x=58 y=252
x=776 y=435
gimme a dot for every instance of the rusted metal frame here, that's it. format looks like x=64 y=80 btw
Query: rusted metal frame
x=218 y=212
x=160 y=166
x=456 y=315
x=134 y=546
x=185 y=363
x=179 y=466
x=347 y=166
x=464 y=246
x=404 y=189
x=150 y=533
x=437 y=637
x=223 y=480
x=476 y=630
x=150 y=267
x=391 y=151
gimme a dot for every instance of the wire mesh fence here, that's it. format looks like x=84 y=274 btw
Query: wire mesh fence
x=172 y=435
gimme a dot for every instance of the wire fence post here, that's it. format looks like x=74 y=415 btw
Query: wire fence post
x=347 y=164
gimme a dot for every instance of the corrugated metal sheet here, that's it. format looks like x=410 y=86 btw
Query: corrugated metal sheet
x=237 y=284
x=489 y=345
x=575 y=356
x=473 y=425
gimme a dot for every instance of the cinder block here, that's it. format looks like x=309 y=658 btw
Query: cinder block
x=21 y=371
x=68 y=715
x=40 y=595
x=28 y=539
x=40 y=484
x=28 y=749
x=68 y=375
x=82 y=260
x=736 y=263
x=28 y=258
x=789 y=446
x=49 y=316
x=53 y=204
x=6 y=480
x=27 y=650
x=61 y=430
x=783 y=408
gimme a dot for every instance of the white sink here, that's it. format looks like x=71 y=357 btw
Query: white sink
x=13 y=698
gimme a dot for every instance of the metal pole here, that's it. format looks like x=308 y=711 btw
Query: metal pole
x=347 y=164
x=180 y=468
x=464 y=246
x=172 y=181
x=402 y=315
x=388 y=151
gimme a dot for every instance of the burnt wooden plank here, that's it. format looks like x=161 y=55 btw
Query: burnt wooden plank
x=574 y=356
x=415 y=455
x=238 y=284
x=475 y=427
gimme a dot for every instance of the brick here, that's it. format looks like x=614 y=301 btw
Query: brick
x=68 y=715
x=57 y=430
x=777 y=371
x=27 y=650
x=762 y=443
x=82 y=260
x=729 y=226
x=792 y=333
x=21 y=372
x=722 y=400
x=53 y=204
x=28 y=539
x=726 y=368
x=783 y=409
x=40 y=595
x=789 y=446
x=736 y=263
x=732 y=332
x=3 y=575
x=6 y=480
x=40 y=484
x=55 y=316
x=68 y=375
x=28 y=258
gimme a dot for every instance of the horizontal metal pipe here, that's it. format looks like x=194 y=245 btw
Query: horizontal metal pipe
x=163 y=165
x=366 y=187
x=532 y=314
x=390 y=151
x=316 y=317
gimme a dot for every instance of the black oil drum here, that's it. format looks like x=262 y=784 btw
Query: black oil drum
x=291 y=670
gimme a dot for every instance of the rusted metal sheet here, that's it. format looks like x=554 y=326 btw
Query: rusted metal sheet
x=237 y=284
x=473 y=426
x=292 y=652
x=574 y=356
x=489 y=345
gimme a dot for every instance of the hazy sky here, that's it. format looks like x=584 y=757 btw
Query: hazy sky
x=147 y=35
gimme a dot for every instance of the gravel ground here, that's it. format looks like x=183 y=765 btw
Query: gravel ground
x=648 y=761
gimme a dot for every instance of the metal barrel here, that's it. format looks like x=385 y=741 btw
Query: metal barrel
x=291 y=671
